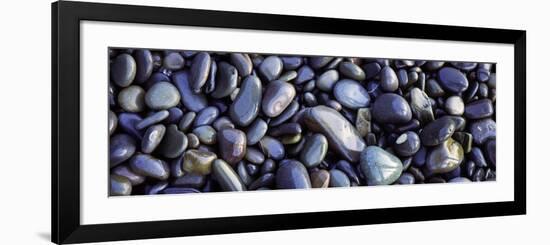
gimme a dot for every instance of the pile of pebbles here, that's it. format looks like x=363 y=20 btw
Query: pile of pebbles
x=189 y=122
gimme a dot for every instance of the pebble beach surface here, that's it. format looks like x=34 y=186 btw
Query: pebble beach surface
x=194 y=121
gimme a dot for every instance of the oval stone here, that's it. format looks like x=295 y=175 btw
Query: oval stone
x=388 y=79
x=206 y=116
x=452 y=80
x=199 y=71
x=232 y=145
x=226 y=176
x=391 y=108
x=437 y=131
x=326 y=81
x=342 y=136
x=291 y=62
x=162 y=95
x=246 y=105
x=272 y=148
x=206 y=134
x=144 y=65
x=407 y=144
x=317 y=62
x=190 y=100
x=351 y=70
x=152 y=119
x=292 y=175
x=149 y=166
x=277 y=96
x=123 y=70
x=199 y=162
x=351 y=94
x=121 y=148
x=454 y=105
x=314 y=150
x=338 y=179
x=379 y=166
x=242 y=62
x=271 y=68
x=152 y=138
x=256 y=131
x=173 y=61
x=305 y=73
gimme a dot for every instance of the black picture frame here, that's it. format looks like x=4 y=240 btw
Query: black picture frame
x=66 y=18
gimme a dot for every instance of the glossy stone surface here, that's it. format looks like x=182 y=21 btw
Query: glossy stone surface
x=407 y=144
x=199 y=71
x=276 y=98
x=123 y=70
x=479 y=109
x=379 y=166
x=272 y=148
x=292 y=175
x=483 y=130
x=437 y=131
x=326 y=80
x=132 y=99
x=351 y=94
x=391 y=108
x=226 y=176
x=338 y=179
x=352 y=71
x=388 y=79
x=452 y=80
x=149 y=166
x=121 y=148
x=190 y=100
x=144 y=65
x=162 y=95
x=421 y=106
x=242 y=62
x=445 y=157
x=206 y=116
x=152 y=138
x=314 y=150
x=226 y=80
x=152 y=119
x=173 y=143
x=271 y=68
x=246 y=106
x=232 y=145
x=342 y=137
x=207 y=134
x=200 y=162
x=454 y=105
x=119 y=185
x=256 y=131
x=320 y=179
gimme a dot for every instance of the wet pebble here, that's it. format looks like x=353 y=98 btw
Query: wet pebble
x=351 y=94
x=232 y=145
x=379 y=166
x=292 y=175
x=314 y=150
x=162 y=95
x=391 y=108
x=150 y=166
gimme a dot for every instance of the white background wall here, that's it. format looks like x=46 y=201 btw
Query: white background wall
x=25 y=121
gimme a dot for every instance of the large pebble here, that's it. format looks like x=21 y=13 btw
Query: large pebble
x=162 y=95
x=173 y=61
x=277 y=96
x=407 y=144
x=479 y=109
x=391 y=108
x=199 y=71
x=190 y=100
x=272 y=148
x=454 y=105
x=232 y=145
x=121 y=148
x=326 y=81
x=421 y=106
x=379 y=166
x=483 y=130
x=242 y=62
x=437 y=131
x=200 y=162
x=226 y=80
x=256 y=131
x=125 y=171
x=292 y=175
x=152 y=138
x=173 y=143
x=226 y=176
x=119 y=186
x=338 y=179
x=123 y=70
x=246 y=106
x=206 y=116
x=144 y=65
x=314 y=150
x=351 y=94
x=445 y=157
x=271 y=68
x=352 y=71
x=149 y=166
x=342 y=137
x=452 y=80
x=305 y=73
x=388 y=79
x=132 y=99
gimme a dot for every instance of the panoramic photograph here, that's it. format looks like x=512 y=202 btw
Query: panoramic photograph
x=188 y=121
